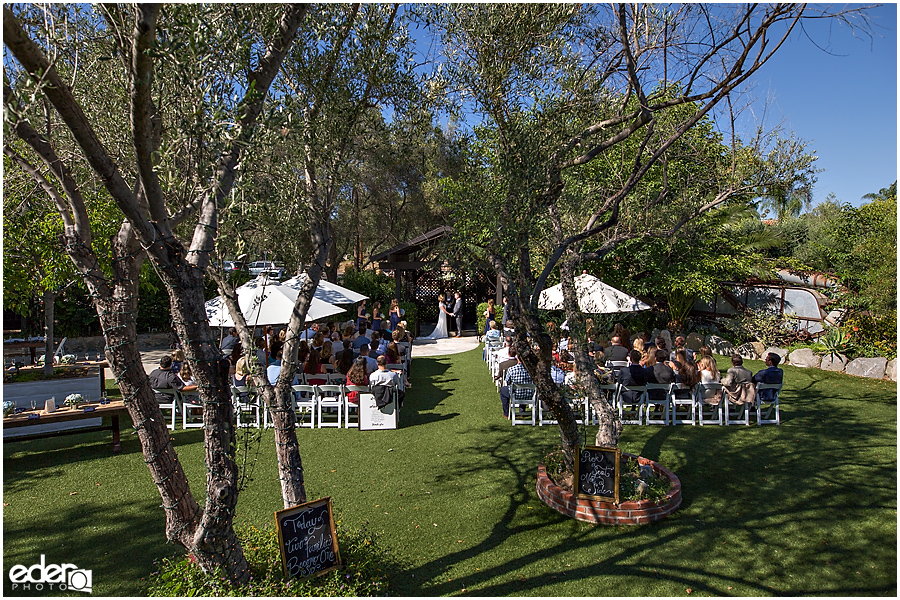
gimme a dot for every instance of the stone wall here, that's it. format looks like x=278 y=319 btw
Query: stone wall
x=873 y=368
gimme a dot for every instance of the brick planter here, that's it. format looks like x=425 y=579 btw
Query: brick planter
x=608 y=513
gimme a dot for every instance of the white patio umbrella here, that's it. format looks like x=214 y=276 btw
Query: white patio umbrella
x=269 y=304
x=594 y=296
x=327 y=291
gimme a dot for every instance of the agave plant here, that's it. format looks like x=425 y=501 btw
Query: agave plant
x=836 y=342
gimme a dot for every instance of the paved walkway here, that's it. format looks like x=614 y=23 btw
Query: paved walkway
x=453 y=345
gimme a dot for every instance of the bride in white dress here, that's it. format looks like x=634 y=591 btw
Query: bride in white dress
x=441 y=330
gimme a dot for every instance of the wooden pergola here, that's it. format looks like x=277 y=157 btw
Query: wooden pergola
x=417 y=254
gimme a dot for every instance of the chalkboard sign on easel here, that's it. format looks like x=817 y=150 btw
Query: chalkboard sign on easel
x=597 y=473
x=307 y=539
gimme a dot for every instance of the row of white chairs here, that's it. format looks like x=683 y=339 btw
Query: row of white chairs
x=695 y=408
x=315 y=405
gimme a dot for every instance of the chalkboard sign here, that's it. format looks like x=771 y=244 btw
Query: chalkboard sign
x=307 y=539
x=372 y=418
x=597 y=473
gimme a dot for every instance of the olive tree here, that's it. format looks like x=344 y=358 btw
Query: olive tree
x=570 y=89
x=161 y=112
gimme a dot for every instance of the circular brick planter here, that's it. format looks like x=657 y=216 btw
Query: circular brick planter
x=607 y=513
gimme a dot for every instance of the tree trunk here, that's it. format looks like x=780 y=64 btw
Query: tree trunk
x=610 y=426
x=49 y=349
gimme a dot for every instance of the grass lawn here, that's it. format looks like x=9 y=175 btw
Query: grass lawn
x=807 y=508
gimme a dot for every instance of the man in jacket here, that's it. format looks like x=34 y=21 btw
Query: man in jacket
x=633 y=375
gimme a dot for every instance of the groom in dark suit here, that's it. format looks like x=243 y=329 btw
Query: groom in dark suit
x=457 y=313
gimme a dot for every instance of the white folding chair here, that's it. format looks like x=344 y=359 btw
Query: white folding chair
x=684 y=409
x=348 y=406
x=336 y=379
x=173 y=405
x=399 y=367
x=245 y=404
x=766 y=408
x=524 y=405
x=191 y=402
x=306 y=399
x=651 y=403
x=331 y=398
x=631 y=411
x=732 y=412
x=709 y=414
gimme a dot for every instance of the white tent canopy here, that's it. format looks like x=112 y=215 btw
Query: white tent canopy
x=594 y=296
x=327 y=291
x=266 y=304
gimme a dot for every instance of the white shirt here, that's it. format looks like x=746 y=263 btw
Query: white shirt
x=379 y=377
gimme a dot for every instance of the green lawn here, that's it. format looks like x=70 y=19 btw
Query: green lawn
x=807 y=508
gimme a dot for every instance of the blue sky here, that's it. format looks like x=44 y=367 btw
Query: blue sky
x=843 y=101
x=837 y=91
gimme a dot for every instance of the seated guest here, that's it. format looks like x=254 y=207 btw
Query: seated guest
x=371 y=365
x=662 y=345
x=679 y=343
x=381 y=381
x=348 y=333
x=274 y=369
x=623 y=334
x=186 y=376
x=327 y=353
x=262 y=352
x=493 y=332
x=361 y=339
x=616 y=351
x=771 y=374
x=228 y=343
x=633 y=375
x=317 y=341
x=515 y=374
x=705 y=351
x=662 y=373
x=275 y=349
x=357 y=375
x=709 y=373
x=163 y=379
x=374 y=343
x=504 y=365
x=177 y=360
x=384 y=340
x=310 y=332
x=686 y=374
x=241 y=372
x=344 y=359
x=738 y=382
x=313 y=366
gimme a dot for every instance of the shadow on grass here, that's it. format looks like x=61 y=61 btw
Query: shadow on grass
x=80 y=537
x=795 y=509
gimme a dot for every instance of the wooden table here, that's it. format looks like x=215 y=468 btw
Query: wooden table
x=10 y=348
x=114 y=409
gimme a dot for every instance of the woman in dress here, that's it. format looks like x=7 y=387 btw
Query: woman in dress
x=394 y=314
x=489 y=315
x=376 y=316
x=314 y=366
x=361 y=313
x=440 y=331
x=356 y=375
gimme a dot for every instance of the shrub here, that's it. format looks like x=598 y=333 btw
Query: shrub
x=873 y=336
x=364 y=573
x=479 y=312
